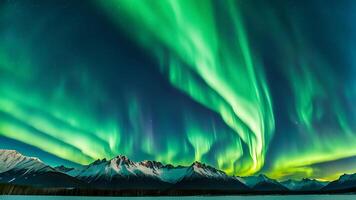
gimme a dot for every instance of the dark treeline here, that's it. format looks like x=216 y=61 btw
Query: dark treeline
x=10 y=189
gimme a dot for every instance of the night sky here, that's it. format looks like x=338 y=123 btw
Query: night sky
x=247 y=86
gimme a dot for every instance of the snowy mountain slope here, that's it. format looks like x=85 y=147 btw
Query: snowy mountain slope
x=262 y=183
x=252 y=181
x=12 y=160
x=205 y=177
x=121 y=166
x=18 y=169
x=123 y=173
x=304 y=184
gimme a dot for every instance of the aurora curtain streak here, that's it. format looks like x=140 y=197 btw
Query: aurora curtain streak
x=246 y=86
x=220 y=74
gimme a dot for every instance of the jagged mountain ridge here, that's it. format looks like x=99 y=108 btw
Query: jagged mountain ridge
x=119 y=172
x=304 y=184
x=124 y=167
x=262 y=183
x=12 y=160
x=18 y=169
x=122 y=173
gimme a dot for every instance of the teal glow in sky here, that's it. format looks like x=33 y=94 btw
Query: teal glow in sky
x=247 y=87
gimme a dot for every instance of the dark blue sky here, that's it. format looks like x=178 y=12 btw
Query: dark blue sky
x=248 y=87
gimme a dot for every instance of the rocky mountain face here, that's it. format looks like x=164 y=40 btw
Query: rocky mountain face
x=304 y=184
x=18 y=169
x=262 y=183
x=121 y=173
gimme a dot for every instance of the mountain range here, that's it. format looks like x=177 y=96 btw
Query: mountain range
x=121 y=173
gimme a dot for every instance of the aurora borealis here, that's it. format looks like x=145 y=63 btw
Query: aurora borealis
x=246 y=86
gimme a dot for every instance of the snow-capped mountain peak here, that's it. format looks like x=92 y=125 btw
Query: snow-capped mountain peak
x=122 y=160
x=204 y=170
x=252 y=181
x=305 y=184
x=122 y=166
x=119 y=166
x=13 y=160
x=151 y=164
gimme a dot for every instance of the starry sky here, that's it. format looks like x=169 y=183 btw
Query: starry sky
x=249 y=87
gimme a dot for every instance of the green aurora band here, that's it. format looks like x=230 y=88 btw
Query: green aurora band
x=219 y=66
x=232 y=85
